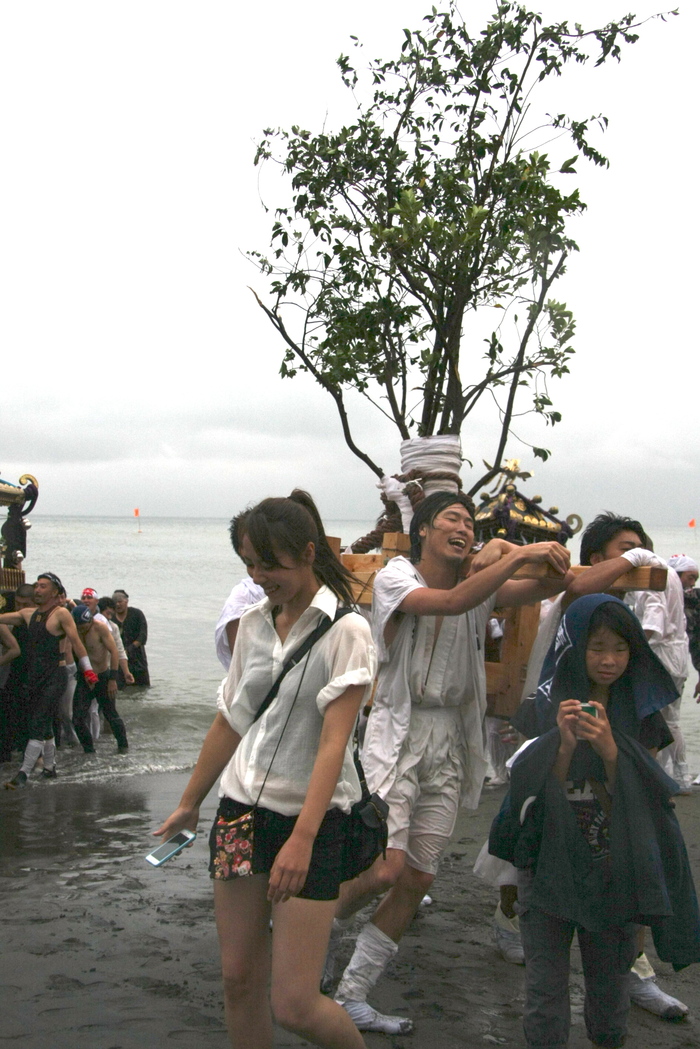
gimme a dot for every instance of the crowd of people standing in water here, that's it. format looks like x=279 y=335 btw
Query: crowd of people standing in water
x=586 y=840
x=62 y=662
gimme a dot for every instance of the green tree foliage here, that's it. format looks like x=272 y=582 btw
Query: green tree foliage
x=432 y=205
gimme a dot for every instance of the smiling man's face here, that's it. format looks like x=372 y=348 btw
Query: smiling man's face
x=451 y=534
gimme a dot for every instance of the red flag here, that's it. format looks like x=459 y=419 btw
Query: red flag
x=136 y=513
x=691 y=524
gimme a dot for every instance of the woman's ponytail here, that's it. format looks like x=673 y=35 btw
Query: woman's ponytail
x=327 y=567
x=288 y=526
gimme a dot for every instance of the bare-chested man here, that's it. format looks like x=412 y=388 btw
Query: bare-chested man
x=97 y=638
x=47 y=625
x=103 y=611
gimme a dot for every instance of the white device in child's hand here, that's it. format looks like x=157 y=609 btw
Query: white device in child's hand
x=170 y=847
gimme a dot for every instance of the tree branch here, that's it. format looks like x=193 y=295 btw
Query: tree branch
x=335 y=393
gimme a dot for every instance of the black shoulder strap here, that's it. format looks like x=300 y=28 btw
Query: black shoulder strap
x=299 y=654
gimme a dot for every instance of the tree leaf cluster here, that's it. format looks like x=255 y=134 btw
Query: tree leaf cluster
x=438 y=201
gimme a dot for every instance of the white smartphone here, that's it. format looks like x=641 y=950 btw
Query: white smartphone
x=170 y=847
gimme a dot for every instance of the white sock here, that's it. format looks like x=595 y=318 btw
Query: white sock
x=373 y=952
x=643 y=968
x=32 y=754
x=49 y=753
x=366 y=1018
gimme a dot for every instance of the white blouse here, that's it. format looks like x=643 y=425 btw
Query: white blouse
x=344 y=656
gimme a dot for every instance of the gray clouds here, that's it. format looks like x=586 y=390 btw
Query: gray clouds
x=141 y=371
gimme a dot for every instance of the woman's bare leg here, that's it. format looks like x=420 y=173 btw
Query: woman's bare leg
x=299 y=941
x=242 y=922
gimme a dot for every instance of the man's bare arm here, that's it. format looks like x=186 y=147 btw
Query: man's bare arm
x=528 y=591
x=71 y=631
x=105 y=636
x=599 y=578
x=12 y=619
x=476 y=588
x=9 y=643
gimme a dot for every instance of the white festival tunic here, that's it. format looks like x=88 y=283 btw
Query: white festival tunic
x=344 y=656
x=416 y=672
x=244 y=595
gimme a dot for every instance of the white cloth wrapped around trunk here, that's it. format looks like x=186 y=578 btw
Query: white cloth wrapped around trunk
x=443 y=452
x=424 y=454
x=393 y=490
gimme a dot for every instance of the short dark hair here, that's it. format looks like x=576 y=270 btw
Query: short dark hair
x=427 y=511
x=25 y=590
x=120 y=591
x=605 y=527
x=55 y=582
x=237 y=529
x=106 y=602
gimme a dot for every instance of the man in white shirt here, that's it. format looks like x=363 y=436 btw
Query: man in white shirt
x=424 y=746
x=244 y=595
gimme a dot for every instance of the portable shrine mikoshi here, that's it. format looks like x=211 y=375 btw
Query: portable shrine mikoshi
x=504 y=513
x=20 y=500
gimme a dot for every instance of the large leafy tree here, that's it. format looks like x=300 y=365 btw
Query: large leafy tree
x=436 y=204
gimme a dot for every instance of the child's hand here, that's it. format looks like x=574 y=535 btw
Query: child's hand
x=567 y=720
x=597 y=732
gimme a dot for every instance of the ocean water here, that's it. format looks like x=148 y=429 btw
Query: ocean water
x=179 y=572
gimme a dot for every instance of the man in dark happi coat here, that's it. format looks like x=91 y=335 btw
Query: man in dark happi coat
x=134 y=631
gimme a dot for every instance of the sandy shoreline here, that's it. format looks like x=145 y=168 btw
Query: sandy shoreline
x=100 y=951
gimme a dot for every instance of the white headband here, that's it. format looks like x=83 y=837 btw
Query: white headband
x=681 y=563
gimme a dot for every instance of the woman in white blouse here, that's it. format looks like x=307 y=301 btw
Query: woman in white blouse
x=295 y=765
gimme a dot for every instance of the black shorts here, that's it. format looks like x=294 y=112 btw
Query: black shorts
x=271 y=831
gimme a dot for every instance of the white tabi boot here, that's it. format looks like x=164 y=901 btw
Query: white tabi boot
x=373 y=952
x=646 y=993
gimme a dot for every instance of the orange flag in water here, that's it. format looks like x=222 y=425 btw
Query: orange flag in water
x=691 y=524
x=136 y=513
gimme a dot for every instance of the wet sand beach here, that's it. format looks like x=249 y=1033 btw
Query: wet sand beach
x=101 y=951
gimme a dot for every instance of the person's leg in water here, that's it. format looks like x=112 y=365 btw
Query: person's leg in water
x=300 y=931
x=108 y=707
x=44 y=708
x=65 y=709
x=82 y=699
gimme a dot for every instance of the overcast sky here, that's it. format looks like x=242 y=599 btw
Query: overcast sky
x=137 y=369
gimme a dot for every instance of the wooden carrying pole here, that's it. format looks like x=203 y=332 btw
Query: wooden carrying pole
x=504 y=679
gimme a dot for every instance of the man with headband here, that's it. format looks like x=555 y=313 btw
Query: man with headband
x=97 y=638
x=47 y=624
x=424 y=745
x=97 y=605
